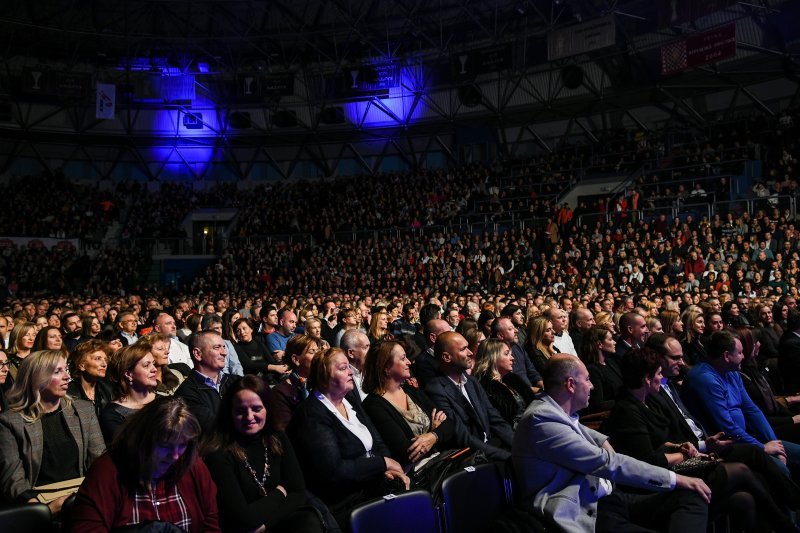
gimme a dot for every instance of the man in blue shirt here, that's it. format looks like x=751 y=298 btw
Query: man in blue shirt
x=713 y=390
x=276 y=341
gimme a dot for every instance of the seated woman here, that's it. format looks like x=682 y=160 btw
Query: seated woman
x=132 y=374
x=91 y=327
x=50 y=338
x=45 y=436
x=20 y=345
x=344 y=460
x=313 y=328
x=88 y=364
x=379 y=326
x=168 y=378
x=287 y=395
x=254 y=355
x=405 y=417
x=597 y=353
x=150 y=473
x=256 y=468
x=671 y=323
x=640 y=429
x=784 y=422
x=694 y=325
x=509 y=394
x=541 y=338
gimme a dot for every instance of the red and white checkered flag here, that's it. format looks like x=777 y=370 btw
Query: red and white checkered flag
x=673 y=57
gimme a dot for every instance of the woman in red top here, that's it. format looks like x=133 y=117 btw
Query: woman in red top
x=151 y=473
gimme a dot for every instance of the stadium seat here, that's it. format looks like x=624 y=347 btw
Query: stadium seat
x=397 y=513
x=27 y=518
x=473 y=498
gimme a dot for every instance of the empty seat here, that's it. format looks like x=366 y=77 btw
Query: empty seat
x=27 y=518
x=401 y=513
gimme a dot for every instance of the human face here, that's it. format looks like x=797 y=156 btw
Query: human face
x=72 y=324
x=672 y=362
x=505 y=363
x=303 y=361
x=54 y=340
x=244 y=332
x=638 y=330
x=358 y=352
x=248 y=412
x=549 y=336
x=128 y=324
x=560 y=321
x=341 y=381
x=166 y=325
x=585 y=320
x=715 y=323
x=677 y=326
x=27 y=340
x=160 y=353
x=40 y=323
x=289 y=323
x=452 y=317
x=315 y=330
x=654 y=383
x=143 y=374
x=734 y=359
x=115 y=344
x=95 y=330
x=506 y=331
x=657 y=328
x=460 y=354
x=165 y=455
x=3 y=326
x=56 y=388
x=212 y=353
x=581 y=387
x=734 y=310
x=518 y=318
x=3 y=367
x=399 y=369
x=608 y=344
x=383 y=320
x=766 y=315
x=94 y=365
x=272 y=318
x=699 y=325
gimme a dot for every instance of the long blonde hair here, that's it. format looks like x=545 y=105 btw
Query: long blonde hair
x=34 y=375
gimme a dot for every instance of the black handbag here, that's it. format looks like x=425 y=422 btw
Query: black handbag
x=431 y=475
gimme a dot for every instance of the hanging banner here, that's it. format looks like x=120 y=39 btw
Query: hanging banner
x=106 y=100
x=700 y=49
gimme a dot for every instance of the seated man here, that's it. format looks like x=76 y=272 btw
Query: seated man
x=713 y=390
x=565 y=470
x=477 y=423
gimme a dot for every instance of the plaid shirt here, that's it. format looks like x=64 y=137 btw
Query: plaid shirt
x=163 y=503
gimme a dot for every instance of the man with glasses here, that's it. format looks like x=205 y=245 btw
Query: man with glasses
x=126 y=323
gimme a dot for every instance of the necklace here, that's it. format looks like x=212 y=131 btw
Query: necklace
x=263 y=480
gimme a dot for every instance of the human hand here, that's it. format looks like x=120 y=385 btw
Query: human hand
x=392 y=466
x=695 y=484
x=775 y=447
x=56 y=505
x=718 y=442
x=421 y=445
x=278 y=354
x=437 y=417
x=283 y=490
x=688 y=450
x=401 y=476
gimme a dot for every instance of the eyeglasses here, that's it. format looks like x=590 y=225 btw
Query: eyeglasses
x=5 y=364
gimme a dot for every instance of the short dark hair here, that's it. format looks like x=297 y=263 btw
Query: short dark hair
x=721 y=342
x=558 y=369
x=509 y=310
x=428 y=312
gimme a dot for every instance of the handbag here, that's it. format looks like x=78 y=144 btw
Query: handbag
x=53 y=491
x=698 y=466
x=430 y=475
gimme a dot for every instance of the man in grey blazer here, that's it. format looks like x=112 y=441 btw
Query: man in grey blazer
x=570 y=473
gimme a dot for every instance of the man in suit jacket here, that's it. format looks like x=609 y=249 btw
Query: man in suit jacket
x=426 y=366
x=565 y=470
x=504 y=329
x=632 y=333
x=205 y=385
x=477 y=423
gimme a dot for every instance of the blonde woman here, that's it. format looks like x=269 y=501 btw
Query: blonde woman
x=694 y=325
x=541 y=337
x=46 y=436
x=507 y=391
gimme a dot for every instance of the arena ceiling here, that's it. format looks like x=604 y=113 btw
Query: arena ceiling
x=268 y=82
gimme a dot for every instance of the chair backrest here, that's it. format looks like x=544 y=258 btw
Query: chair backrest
x=401 y=513
x=473 y=498
x=27 y=518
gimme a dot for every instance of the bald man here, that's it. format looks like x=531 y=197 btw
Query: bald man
x=477 y=423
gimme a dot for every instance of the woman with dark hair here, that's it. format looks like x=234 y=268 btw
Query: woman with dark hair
x=45 y=436
x=780 y=314
x=405 y=417
x=262 y=483
x=168 y=378
x=50 y=338
x=88 y=364
x=732 y=315
x=150 y=473
x=343 y=457
x=254 y=355
x=640 y=429
x=229 y=317
x=597 y=353
x=90 y=326
x=784 y=422
x=132 y=373
x=287 y=395
x=509 y=394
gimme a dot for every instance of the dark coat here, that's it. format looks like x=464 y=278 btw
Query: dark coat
x=202 y=400
x=503 y=399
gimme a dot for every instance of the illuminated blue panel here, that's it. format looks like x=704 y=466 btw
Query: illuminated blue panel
x=401 y=107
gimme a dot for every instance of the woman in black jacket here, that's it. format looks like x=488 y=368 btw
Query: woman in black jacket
x=509 y=394
x=343 y=457
x=405 y=417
